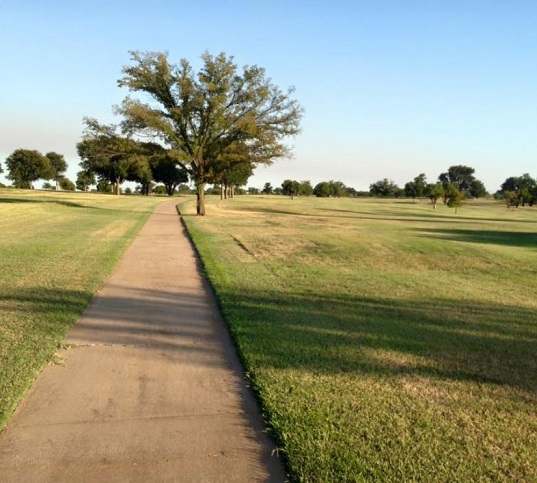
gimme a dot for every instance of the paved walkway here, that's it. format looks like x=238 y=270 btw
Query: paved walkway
x=150 y=387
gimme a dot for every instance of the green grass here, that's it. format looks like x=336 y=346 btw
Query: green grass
x=56 y=249
x=386 y=341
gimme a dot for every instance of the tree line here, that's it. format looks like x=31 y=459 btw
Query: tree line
x=214 y=126
x=26 y=166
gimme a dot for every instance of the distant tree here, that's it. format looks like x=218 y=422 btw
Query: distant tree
x=66 y=184
x=290 y=188
x=139 y=170
x=416 y=188
x=1 y=168
x=26 y=166
x=128 y=190
x=351 y=192
x=450 y=191
x=477 y=189
x=455 y=199
x=267 y=189
x=253 y=191
x=204 y=115
x=511 y=198
x=511 y=184
x=84 y=180
x=464 y=180
x=384 y=188
x=104 y=186
x=48 y=186
x=322 y=189
x=434 y=191
x=278 y=191
x=215 y=189
x=59 y=166
x=184 y=189
x=166 y=170
x=160 y=190
x=305 y=188
x=523 y=188
x=337 y=189
x=233 y=175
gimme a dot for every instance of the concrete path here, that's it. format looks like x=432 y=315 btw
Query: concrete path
x=150 y=387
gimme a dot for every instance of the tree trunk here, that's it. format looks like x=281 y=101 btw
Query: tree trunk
x=222 y=192
x=200 y=199
x=118 y=186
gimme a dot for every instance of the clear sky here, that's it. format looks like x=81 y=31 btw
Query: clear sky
x=390 y=88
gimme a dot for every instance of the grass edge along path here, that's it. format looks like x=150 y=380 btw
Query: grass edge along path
x=56 y=250
x=384 y=340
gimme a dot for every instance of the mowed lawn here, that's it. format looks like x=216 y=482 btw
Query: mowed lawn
x=387 y=340
x=56 y=249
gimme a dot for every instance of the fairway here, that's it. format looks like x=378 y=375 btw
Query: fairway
x=386 y=340
x=56 y=249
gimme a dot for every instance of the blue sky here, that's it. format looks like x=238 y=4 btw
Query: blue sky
x=390 y=88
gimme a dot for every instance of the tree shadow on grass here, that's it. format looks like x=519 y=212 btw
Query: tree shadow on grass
x=70 y=204
x=350 y=334
x=506 y=238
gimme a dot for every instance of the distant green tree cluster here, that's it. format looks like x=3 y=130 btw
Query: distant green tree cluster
x=416 y=188
x=26 y=166
x=334 y=189
x=385 y=188
x=453 y=186
x=111 y=158
x=292 y=188
x=518 y=191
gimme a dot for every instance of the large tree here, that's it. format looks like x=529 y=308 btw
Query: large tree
x=205 y=115
x=26 y=166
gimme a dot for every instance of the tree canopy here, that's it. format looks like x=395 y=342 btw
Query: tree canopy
x=416 y=188
x=464 y=180
x=26 y=166
x=165 y=170
x=519 y=190
x=384 y=188
x=209 y=115
x=434 y=191
x=113 y=157
x=59 y=166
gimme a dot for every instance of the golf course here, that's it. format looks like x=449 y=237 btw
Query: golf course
x=384 y=340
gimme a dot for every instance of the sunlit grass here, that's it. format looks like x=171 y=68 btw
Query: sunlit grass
x=386 y=340
x=56 y=249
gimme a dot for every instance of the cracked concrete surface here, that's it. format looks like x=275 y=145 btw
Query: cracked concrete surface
x=149 y=387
